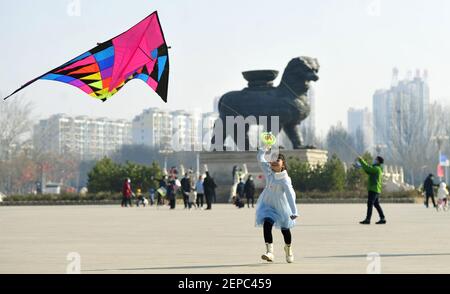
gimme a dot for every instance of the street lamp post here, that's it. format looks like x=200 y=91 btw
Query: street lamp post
x=197 y=161
x=166 y=153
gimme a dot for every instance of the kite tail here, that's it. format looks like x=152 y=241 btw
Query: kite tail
x=26 y=85
x=13 y=93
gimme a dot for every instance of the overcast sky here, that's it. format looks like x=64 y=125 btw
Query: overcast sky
x=357 y=42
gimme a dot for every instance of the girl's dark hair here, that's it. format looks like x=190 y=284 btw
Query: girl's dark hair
x=380 y=159
x=282 y=157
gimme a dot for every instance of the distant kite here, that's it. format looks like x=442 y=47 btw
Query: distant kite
x=139 y=53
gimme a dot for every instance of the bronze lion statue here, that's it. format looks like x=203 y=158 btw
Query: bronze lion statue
x=288 y=101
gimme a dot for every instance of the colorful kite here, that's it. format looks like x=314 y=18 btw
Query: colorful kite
x=139 y=53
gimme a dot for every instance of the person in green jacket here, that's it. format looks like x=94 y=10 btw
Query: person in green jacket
x=375 y=185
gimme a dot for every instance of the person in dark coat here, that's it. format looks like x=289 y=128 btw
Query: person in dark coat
x=428 y=187
x=161 y=189
x=126 y=193
x=209 y=186
x=249 y=190
x=240 y=194
x=186 y=189
x=171 y=193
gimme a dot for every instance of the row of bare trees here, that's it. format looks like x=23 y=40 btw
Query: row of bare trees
x=21 y=165
x=413 y=145
x=410 y=142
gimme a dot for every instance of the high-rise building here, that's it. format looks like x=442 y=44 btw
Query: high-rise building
x=153 y=127
x=186 y=130
x=359 y=125
x=178 y=130
x=85 y=137
x=399 y=110
x=380 y=102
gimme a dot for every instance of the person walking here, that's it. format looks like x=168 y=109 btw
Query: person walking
x=186 y=189
x=239 y=201
x=249 y=190
x=428 y=187
x=375 y=185
x=442 y=197
x=200 y=191
x=171 y=193
x=276 y=204
x=126 y=193
x=192 y=198
x=209 y=187
x=151 y=193
x=161 y=191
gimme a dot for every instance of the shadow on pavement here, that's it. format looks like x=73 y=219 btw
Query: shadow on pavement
x=177 y=267
x=383 y=255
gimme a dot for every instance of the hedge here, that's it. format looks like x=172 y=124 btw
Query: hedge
x=352 y=195
x=63 y=197
x=105 y=197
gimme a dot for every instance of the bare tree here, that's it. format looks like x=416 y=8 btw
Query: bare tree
x=360 y=141
x=16 y=124
x=410 y=141
x=341 y=143
x=446 y=126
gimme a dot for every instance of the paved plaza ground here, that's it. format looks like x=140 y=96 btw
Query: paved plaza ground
x=327 y=239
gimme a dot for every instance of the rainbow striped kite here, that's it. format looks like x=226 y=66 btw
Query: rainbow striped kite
x=139 y=53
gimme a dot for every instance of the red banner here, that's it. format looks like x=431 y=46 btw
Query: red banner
x=440 y=171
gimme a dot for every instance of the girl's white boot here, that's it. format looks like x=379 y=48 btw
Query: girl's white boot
x=268 y=256
x=289 y=254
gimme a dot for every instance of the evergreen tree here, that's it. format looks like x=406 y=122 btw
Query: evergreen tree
x=333 y=175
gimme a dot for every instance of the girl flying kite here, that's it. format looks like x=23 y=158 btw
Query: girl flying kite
x=276 y=204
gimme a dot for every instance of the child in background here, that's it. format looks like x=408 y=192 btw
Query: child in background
x=140 y=199
x=442 y=197
x=151 y=193
x=192 y=199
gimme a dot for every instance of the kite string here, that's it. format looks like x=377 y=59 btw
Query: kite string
x=340 y=139
x=349 y=147
x=238 y=113
x=231 y=108
x=290 y=89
